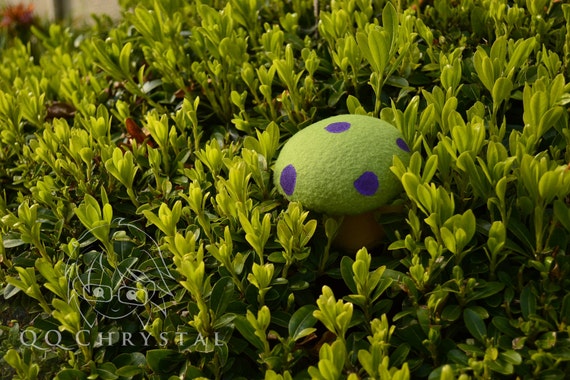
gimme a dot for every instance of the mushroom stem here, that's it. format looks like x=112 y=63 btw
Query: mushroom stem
x=357 y=231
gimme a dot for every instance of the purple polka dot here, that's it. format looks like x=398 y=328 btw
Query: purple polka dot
x=338 y=127
x=288 y=179
x=367 y=183
x=402 y=144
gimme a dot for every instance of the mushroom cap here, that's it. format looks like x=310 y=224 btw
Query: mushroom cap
x=341 y=165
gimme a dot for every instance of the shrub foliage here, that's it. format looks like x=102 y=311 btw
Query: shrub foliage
x=145 y=147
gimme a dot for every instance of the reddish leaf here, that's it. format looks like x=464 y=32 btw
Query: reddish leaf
x=137 y=133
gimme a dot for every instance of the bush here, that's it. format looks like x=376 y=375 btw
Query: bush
x=142 y=236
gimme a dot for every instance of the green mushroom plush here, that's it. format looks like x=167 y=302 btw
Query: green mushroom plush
x=341 y=166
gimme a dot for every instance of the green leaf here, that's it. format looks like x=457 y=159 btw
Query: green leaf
x=549 y=119
x=302 y=322
x=400 y=354
x=362 y=40
x=484 y=290
x=135 y=359
x=501 y=90
x=56 y=281
x=523 y=48
x=11 y=290
x=528 y=302
x=129 y=371
x=222 y=294
x=451 y=312
x=451 y=75
x=499 y=50
x=379 y=43
x=347 y=274
x=475 y=324
x=520 y=230
x=427 y=118
x=501 y=366
x=458 y=357
x=547 y=341
x=12 y=243
x=484 y=68
x=71 y=374
x=449 y=240
x=107 y=371
x=549 y=185
x=562 y=213
x=164 y=361
x=390 y=23
x=538 y=107
x=497 y=237
x=335 y=315
x=504 y=325
x=430 y=168
x=478 y=181
x=246 y=329
x=122 y=166
x=125 y=58
x=565 y=309
x=354 y=106
x=511 y=357
x=444 y=372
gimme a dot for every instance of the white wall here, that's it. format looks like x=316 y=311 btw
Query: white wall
x=82 y=9
x=78 y=10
